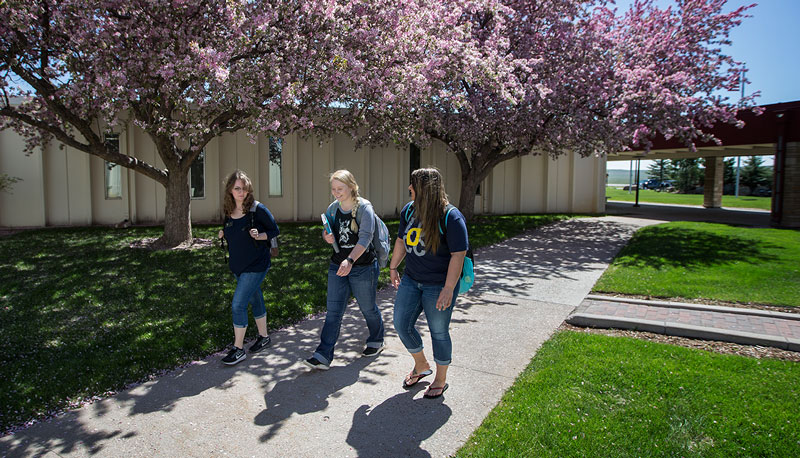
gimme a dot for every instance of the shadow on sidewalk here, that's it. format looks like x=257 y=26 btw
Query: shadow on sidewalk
x=397 y=426
x=546 y=253
x=74 y=433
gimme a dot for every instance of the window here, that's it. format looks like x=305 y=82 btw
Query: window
x=197 y=177
x=414 y=159
x=113 y=172
x=275 y=159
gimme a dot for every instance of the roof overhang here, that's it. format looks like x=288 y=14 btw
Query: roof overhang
x=758 y=137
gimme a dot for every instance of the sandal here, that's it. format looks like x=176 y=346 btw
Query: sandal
x=412 y=378
x=440 y=389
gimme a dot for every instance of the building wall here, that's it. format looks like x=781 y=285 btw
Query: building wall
x=64 y=186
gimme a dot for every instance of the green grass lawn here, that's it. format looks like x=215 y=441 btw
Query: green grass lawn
x=649 y=195
x=589 y=395
x=709 y=261
x=81 y=313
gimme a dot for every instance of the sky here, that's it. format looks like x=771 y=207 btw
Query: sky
x=769 y=46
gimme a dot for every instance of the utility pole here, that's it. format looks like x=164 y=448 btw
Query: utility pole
x=739 y=158
x=630 y=179
x=638 y=162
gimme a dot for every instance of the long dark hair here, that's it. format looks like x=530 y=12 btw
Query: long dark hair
x=229 y=205
x=429 y=204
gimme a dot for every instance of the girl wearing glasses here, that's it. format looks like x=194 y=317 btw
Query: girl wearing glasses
x=248 y=227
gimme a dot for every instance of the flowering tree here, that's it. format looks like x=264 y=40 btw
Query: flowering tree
x=554 y=76
x=188 y=71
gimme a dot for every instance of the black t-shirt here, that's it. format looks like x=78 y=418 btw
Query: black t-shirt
x=347 y=239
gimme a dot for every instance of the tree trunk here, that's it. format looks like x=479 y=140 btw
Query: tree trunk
x=469 y=186
x=177 y=214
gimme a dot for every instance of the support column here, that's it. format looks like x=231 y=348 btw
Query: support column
x=786 y=188
x=712 y=187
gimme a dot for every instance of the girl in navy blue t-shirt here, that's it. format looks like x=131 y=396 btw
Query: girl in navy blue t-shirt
x=434 y=242
x=248 y=227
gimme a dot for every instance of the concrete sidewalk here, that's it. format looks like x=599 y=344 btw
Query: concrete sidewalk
x=271 y=405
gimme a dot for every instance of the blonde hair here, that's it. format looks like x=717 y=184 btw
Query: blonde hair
x=429 y=203
x=349 y=180
x=229 y=205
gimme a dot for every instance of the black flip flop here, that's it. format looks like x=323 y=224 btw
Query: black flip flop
x=416 y=377
x=442 y=388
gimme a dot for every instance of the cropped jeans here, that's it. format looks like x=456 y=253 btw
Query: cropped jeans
x=412 y=299
x=248 y=290
x=362 y=282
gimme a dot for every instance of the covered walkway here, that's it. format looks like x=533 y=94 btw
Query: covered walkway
x=774 y=132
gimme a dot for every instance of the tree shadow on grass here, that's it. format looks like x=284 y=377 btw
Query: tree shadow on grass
x=662 y=246
x=89 y=314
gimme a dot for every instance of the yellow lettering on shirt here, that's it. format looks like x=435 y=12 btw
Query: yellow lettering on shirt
x=412 y=236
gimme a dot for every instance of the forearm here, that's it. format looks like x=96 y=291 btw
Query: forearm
x=454 y=269
x=358 y=250
x=398 y=254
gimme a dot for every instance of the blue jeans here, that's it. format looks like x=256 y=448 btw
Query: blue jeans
x=412 y=299
x=362 y=282
x=248 y=290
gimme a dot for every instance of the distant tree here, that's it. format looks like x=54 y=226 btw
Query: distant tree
x=659 y=169
x=753 y=173
x=729 y=171
x=687 y=174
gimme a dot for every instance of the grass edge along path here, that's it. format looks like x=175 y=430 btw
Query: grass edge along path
x=652 y=196
x=594 y=395
x=83 y=315
x=708 y=261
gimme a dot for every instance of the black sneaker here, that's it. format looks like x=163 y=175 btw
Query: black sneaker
x=314 y=363
x=234 y=356
x=260 y=344
x=372 y=351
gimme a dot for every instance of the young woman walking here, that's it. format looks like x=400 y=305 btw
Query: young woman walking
x=432 y=238
x=353 y=268
x=248 y=227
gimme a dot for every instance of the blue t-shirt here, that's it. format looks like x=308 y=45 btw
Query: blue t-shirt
x=246 y=253
x=431 y=268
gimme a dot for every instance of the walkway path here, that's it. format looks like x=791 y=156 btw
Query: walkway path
x=271 y=405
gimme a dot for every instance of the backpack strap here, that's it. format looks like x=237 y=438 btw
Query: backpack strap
x=331 y=212
x=409 y=211
x=448 y=209
x=252 y=213
x=442 y=227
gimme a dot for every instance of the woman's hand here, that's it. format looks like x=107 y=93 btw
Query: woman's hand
x=344 y=268
x=254 y=233
x=445 y=298
x=394 y=278
x=220 y=234
x=327 y=237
